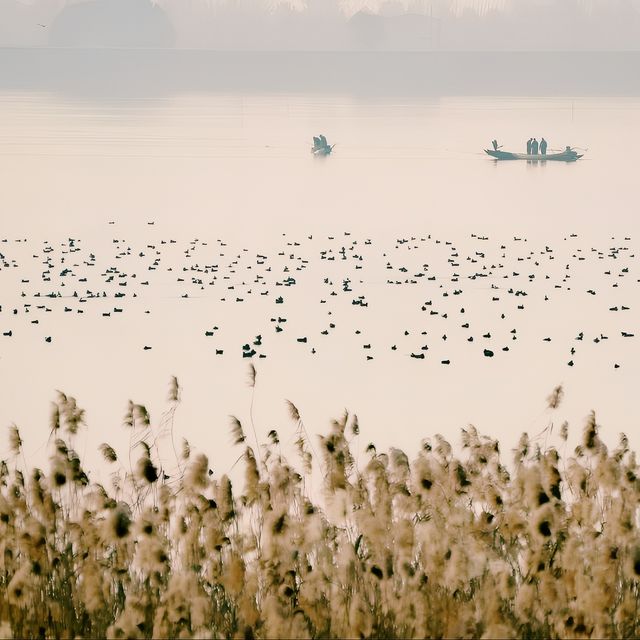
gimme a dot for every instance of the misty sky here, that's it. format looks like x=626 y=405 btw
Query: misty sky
x=412 y=25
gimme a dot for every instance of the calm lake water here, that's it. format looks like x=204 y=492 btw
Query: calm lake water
x=224 y=174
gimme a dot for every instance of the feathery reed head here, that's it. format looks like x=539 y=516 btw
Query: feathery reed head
x=447 y=542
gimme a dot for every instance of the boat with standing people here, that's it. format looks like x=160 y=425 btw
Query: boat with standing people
x=567 y=155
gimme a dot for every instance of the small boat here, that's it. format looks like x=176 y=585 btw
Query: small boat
x=322 y=151
x=568 y=155
x=321 y=147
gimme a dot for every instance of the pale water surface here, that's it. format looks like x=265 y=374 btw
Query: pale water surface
x=237 y=168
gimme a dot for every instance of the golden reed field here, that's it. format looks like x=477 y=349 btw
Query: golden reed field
x=434 y=545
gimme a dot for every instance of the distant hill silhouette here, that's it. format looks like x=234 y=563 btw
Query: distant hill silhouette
x=112 y=23
x=408 y=31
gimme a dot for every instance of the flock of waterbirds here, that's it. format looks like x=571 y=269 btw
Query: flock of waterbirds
x=479 y=295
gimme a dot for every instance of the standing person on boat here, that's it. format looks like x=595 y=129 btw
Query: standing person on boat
x=529 y=146
x=495 y=145
x=534 y=147
x=543 y=147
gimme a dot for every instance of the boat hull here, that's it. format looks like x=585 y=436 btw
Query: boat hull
x=558 y=157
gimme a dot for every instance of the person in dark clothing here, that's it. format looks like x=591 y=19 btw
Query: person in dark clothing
x=529 y=146
x=495 y=145
x=543 y=147
x=534 y=147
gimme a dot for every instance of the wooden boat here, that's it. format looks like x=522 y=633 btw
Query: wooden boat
x=564 y=156
x=322 y=151
x=320 y=146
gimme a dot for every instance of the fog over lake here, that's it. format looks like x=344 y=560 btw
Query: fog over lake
x=319 y=318
x=224 y=169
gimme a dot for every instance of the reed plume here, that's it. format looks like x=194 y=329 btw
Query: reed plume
x=448 y=542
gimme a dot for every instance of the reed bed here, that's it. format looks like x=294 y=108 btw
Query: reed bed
x=451 y=543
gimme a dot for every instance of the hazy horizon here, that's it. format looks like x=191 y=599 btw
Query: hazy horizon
x=293 y=211
x=325 y=25
x=108 y=74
